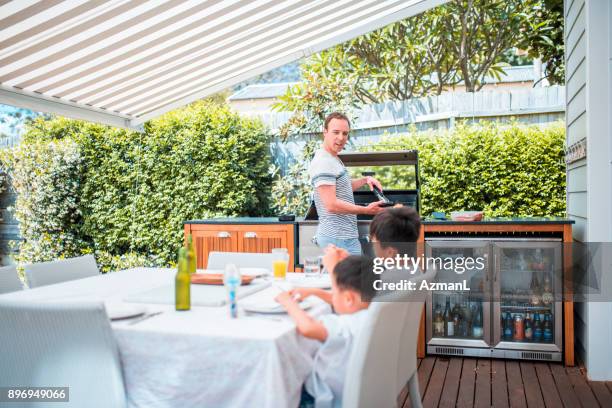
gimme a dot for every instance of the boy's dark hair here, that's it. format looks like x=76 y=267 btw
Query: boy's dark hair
x=396 y=225
x=336 y=115
x=355 y=272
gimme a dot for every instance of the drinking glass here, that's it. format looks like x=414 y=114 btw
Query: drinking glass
x=312 y=268
x=280 y=263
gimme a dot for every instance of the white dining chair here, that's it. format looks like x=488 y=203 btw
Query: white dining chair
x=62 y=270
x=61 y=345
x=384 y=355
x=9 y=280
x=218 y=260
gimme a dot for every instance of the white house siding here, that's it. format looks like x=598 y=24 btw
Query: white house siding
x=589 y=181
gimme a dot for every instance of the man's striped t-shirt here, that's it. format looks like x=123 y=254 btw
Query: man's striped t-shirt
x=326 y=169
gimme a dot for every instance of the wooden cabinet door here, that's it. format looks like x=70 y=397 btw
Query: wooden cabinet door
x=213 y=240
x=262 y=239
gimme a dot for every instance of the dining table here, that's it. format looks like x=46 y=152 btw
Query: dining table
x=201 y=357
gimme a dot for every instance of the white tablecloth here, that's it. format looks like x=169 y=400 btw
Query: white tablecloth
x=198 y=358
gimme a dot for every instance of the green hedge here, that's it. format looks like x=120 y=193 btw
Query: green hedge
x=125 y=195
x=514 y=170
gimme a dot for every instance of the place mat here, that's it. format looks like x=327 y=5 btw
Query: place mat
x=201 y=295
x=216 y=279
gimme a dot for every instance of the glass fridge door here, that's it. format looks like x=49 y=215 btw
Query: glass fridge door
x=459 y=317
x=527 y=295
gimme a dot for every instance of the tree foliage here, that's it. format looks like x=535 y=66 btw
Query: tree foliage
x=543 y=38
x=83 y=187
x=460 y=42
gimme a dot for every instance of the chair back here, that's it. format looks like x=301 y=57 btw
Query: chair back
x=383 y=358
x=60 y=345
x=218 y=260
x=9 y=280
x=48 y=273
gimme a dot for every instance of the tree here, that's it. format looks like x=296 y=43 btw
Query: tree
x=543 y=38
x=463 y=41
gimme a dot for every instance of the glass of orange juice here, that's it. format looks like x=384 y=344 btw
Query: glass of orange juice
x=280 y=263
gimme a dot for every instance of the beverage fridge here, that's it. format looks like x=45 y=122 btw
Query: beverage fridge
x=513 y=308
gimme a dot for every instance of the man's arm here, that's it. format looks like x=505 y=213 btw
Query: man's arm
x=334 y=205
x=356 y=184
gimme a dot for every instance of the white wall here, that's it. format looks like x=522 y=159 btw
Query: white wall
x=589 y=113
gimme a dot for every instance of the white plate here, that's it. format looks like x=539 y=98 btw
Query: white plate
x=122 y=311
x=321 y=283
x=255 y=271
x=275 y=308
x=243 y=271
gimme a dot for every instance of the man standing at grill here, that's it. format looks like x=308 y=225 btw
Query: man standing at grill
x=333 y=189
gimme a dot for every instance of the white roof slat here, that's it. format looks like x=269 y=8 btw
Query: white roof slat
x=34 y=15
x=14 y=7
x=123 y=62
x=276 y=46
x=71 y=17
x=90 y=78
x=25 y=60
x=99 y=49
x=232 y=48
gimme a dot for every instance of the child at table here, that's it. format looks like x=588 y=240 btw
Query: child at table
x=350 y=296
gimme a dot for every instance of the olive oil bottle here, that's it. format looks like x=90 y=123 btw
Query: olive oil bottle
x=182 y=283
x=191 y=256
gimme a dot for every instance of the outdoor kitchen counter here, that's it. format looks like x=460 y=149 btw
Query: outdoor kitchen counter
x=261 y=234
x=240 y=220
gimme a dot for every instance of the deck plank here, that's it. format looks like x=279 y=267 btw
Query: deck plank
x=516 y=392
x=602 y=393
x=425 y=370
x=482 y=393
x=533 y=395
x=451 y=383
x=547 y=386
x=436 y=382
x=564 y=386
x=465 y=398
x=499 y=384
x=582 y=389
x=483 y=382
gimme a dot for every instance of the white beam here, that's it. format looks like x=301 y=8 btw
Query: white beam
x=40 y=103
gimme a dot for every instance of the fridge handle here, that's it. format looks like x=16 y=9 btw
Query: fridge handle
x=495 y=268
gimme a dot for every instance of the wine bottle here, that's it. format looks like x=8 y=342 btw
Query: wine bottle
x=536 y=296
x=191 y=256
x=438 y=322
x=182 y=283
x=457 y=319
x=449 y=328
x=477 y=323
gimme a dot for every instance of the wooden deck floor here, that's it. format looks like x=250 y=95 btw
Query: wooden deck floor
x=472 y=382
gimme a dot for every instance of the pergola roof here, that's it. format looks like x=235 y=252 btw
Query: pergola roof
x=123 y=62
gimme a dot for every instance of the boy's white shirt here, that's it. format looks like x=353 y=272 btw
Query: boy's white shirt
x=326 y=382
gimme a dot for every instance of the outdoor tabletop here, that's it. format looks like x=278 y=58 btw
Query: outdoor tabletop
x=199 y=357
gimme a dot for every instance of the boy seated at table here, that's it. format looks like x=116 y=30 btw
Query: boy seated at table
x=349 y=296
